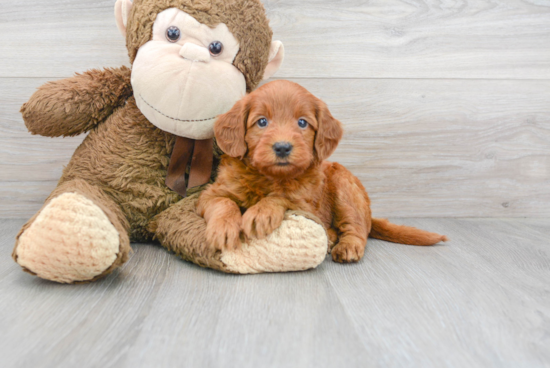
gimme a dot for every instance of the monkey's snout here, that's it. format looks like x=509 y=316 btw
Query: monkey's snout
x=193 y=52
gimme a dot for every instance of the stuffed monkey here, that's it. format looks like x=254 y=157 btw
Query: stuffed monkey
x=149 y=149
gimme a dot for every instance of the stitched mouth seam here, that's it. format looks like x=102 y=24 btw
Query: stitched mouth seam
x=169 y=117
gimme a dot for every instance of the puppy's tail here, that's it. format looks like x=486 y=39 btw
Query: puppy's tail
x=385 y=230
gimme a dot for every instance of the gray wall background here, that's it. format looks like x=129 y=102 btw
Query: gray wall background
x=446 y=104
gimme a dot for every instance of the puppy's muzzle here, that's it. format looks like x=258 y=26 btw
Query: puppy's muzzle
x=282 y=149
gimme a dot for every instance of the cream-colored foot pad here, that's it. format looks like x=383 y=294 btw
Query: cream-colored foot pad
x=71 y=240
x=298 y=244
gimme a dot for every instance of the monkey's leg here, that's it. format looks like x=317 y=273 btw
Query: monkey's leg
x=80 y=234
x=300 y=243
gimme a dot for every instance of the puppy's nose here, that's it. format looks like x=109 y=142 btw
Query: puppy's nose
x=282 y=149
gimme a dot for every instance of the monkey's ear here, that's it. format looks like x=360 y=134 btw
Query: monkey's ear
x=230 y=129
x=122 y=11
x=328 y=134
x=276 y=56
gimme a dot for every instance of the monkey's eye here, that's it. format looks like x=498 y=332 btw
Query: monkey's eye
x=173 y=34
x=302 y=123
x=262 y=123
x=215 y=48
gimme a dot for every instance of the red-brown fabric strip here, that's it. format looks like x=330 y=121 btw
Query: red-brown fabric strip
x=181 y=155
x=201 y=164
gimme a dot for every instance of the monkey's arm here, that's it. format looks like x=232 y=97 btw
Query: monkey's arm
x=75 y=105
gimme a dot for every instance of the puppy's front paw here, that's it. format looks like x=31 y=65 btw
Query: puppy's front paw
x=224 y=233
x=348 y=251
x=261 y=220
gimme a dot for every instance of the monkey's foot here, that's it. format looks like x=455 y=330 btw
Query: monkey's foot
x=70 y=240
x=298 y=244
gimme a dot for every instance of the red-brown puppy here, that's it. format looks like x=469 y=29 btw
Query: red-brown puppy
x=276 y=140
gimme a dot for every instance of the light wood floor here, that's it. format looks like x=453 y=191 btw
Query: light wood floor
x=482 y=300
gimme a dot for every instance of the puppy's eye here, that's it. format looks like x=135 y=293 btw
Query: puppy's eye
x=173 y=34
x=215 y=48
x=302 y=123
x=262 y=123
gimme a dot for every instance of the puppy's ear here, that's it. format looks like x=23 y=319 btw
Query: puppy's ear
x=230 y=129
x=328 y=134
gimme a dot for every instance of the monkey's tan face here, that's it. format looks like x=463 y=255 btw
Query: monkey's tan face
x=184 y=77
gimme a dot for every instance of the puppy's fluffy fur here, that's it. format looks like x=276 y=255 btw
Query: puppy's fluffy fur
x=255 y=185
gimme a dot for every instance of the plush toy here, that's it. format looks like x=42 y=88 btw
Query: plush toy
x=149 y=149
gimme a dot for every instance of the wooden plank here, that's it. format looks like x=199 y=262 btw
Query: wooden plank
x=156 y=296
x=421 y=147
x=446 y=147
x=348 y=39
x=57 y=38
x=468 y=303
x=413 y=39
x=74 y=312
x=482 y=300
x=23 y=199
x=30 y=166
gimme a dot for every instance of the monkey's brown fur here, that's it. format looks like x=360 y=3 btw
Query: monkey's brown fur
x=121 y=165
x=266 y=185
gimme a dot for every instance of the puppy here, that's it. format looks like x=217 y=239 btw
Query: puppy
x=276 y=140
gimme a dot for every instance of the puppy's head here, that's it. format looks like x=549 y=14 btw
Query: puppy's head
x=280 y=129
